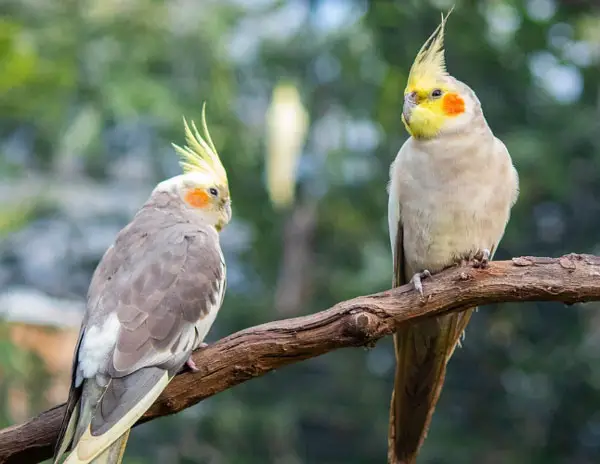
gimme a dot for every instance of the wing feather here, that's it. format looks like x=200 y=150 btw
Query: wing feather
x=69 y=422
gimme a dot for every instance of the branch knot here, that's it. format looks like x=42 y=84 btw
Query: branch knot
x=361 y=327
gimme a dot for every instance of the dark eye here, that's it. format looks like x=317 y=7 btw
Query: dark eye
x=436 y=93
x=213 y=191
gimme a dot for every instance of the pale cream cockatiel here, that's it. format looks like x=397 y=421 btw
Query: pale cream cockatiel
x=151 y=302
x=451 y=189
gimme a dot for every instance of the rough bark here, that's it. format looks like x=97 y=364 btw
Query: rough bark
x=361 y=321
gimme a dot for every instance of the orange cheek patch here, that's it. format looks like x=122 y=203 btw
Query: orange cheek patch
x=197 y=198
x=453 y=105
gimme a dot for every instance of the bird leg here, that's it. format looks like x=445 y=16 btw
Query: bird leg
x=416 y=280
x=190 y=362
x=482 y=258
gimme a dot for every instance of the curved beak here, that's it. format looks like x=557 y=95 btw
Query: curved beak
x=227 y=208
x=410 y=101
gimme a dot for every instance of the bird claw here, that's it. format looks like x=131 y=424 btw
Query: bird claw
x=417 y=278
x=482 y=259
x=190 y=362
x=192 y=365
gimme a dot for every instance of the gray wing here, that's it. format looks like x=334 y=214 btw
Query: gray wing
x=69 y=422
x=396 y=231
x=160 y=283
x=399 y=259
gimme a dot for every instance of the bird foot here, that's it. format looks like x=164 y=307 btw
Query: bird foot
x=416 y=280
x=190 y=362
x=481 y=259
x=192 y=365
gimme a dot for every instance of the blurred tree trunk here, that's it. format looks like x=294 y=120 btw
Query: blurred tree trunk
x=295 y=282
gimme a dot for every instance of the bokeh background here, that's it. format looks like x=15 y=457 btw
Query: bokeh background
x=304 y=104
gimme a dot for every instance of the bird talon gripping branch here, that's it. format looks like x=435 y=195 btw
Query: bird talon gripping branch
x=482 y=259
x=417 y=280
x=192 y=365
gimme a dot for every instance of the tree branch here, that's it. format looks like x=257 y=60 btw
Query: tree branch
x=361 y=321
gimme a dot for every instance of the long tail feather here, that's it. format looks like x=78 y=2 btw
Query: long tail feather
x=422 y=353
x=67 y=434
x=108 y=446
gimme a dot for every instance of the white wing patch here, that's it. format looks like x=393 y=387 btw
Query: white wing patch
x=97 y=343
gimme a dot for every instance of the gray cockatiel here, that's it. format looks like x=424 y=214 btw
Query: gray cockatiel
x=151 y=302
x=451 y=189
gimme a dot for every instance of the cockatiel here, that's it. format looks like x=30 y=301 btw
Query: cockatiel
x=451 y=189
x=151 y=302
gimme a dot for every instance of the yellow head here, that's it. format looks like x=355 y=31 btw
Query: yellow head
x=203 y=187
x=435 y=102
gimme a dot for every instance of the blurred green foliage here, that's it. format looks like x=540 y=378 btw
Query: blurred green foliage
x=85 y=84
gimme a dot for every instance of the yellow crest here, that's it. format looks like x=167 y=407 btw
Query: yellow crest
x=200 y=154
x=430 y=63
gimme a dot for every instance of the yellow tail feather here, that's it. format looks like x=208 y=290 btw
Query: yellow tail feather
x=114 y=453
